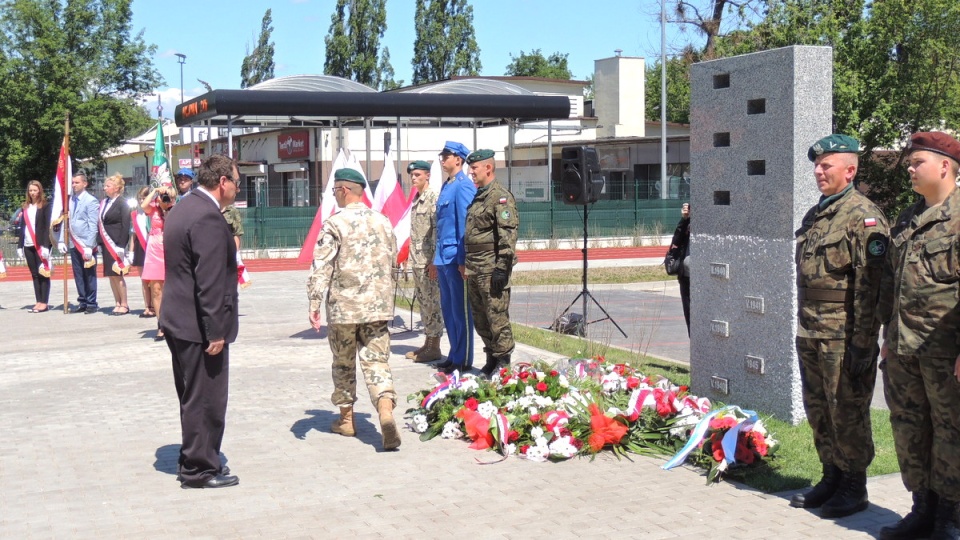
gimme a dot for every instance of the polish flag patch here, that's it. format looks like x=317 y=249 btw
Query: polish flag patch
x=870 y=222
x=503 y=200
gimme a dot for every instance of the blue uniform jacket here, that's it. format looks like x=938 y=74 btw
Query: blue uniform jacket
x=455 y=197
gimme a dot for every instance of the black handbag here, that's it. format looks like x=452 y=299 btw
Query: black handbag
x=672 y=264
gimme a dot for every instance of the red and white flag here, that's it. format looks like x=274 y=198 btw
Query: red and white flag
x=328 y=207
x=62 y=187
x=243 y=277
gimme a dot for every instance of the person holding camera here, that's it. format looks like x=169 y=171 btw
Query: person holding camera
x=156 y=206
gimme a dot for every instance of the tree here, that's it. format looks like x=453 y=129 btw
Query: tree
x=709 y=18
x=353 y=43
x=678 y=89
x=536 y=65
x=258 y=65
x=446 y=44
x=77 y=56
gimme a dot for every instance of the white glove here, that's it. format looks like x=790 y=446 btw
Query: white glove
x=19 y=253
x=120 y=253
x=45 y=252
x=128 y=260
x=61 y=247
x=87 y=254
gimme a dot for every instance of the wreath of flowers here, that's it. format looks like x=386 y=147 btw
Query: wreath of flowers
x=579 y=407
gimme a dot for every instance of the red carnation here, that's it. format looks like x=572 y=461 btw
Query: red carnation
x=554 y=373
x=541 y=386
x=535 y=418
x=684 y=389
x=632 y=382
x=471 y=404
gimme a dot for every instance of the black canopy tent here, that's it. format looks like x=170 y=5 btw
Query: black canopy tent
x=333 y=102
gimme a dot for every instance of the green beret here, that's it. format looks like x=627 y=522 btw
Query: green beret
x=833 y=144
x=349 y=175
x=480 y=155
x=418 y=165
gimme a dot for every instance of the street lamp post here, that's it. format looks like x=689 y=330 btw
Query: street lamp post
x=182 y=59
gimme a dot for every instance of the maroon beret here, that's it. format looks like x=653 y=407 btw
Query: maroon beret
x=935 y=141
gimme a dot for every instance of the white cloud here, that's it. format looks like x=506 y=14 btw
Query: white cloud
x=169 y=99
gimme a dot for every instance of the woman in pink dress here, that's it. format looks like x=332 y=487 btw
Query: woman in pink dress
x=156 y=205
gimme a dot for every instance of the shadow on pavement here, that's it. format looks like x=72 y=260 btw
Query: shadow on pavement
x=310 y=333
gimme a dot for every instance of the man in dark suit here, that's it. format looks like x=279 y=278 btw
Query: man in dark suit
x=199 y=318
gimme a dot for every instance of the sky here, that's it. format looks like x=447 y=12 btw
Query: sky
x=215 y=35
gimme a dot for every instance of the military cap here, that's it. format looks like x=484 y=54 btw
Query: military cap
x=349 y=175
x=833 y=144
x=419 y=165
x=935 y=141
x=186 y=172
x=455 y=148
x=480 y=155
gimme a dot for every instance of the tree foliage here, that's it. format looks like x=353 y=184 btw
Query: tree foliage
x=445 y=45
x=678 y=89
x=258 y=64
x=353 y=43
x=712 y=18
x=76 y=56
x=537 y=65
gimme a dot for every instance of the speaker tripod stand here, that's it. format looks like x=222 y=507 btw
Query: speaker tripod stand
x=585 y=293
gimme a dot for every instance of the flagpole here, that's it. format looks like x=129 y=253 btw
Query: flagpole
x=65 y=209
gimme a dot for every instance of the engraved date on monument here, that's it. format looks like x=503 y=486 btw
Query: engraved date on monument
x=720 y=328
x=720 y=270
x=754 y=304
x=720 y=385
x=753 y=364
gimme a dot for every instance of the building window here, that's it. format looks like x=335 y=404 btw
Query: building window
x=297 y=189
x=648 y=181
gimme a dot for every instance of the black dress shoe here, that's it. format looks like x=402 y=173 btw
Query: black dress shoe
x=218 y=481
x=224 y=471
x=451 y=368
x=91 y=310
x=81 y=309
x=444 y=365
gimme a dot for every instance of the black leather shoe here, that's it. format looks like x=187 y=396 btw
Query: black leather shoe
x=82 y=309
x=224 y=471
x=451 y=368
x=218 y=481
x=444 y=365
x=91 y=310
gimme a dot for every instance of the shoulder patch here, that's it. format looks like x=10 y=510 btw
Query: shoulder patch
x=505 y=214
x=503 y=200
x=877 y=247
x=870 y=222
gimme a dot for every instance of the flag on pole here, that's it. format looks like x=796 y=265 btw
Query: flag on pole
x=436 y=176
x=328 y=207
x=160 y=172
x=62 y=186
x=390 y=201
x=354 y=163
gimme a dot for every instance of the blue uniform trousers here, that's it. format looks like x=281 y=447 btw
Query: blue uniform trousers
x=86 y=280
x=457 y=317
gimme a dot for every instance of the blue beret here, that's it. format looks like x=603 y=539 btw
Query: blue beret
x=455 y=148
x=349 y=175
x=418 y=165
x=480 y=155
x=833 y=144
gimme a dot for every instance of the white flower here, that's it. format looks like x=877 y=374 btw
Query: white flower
x=420 y=424
x=536 y=432
x=760 y=428
x=451 y=430
x=533 y=410
x=509 y=449
x=541 y=375
x=563 y=382
x=512 y=404
x=537 y=453
x=562 y=447
x=529 y=390
x=540 y=441
x=543 y=401
x=487 y=409
x=469 y=385
x=611 y=383
x=680 y=428
x=525 y=401
x=614 y=412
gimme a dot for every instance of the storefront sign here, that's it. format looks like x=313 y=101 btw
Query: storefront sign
x=293 y=145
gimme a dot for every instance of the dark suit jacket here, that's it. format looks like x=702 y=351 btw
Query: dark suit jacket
x=116 y=223
x=200 y=291
x=42 y=227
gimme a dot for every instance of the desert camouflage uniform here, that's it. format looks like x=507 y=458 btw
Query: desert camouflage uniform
x=234 y=220
x=423 y=243
x=840 y=254
x=491 y=242
x=920 y=309
x=354 y=266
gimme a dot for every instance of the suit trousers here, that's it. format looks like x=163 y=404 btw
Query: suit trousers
x=41 y=285
x=201 y=381
x=457 y=317
x=86 y=280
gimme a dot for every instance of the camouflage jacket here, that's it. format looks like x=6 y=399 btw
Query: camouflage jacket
x=423 y=229
x=490 y=238
x=841 y=248
x=921 y=281
x=234 y=220
x=354 y=267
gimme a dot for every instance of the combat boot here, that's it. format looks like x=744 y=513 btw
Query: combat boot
x=821 y=492
x=490 y=366
x=945 y=526
x=391 y=436
x=505 y=361
x=344 y=426
x=850 y=498
x=429 y=352
x=413 y=354
x=918 y=523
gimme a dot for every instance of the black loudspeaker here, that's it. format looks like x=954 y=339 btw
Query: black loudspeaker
x=580 y=180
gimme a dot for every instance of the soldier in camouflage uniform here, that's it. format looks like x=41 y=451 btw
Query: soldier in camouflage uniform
x=841 y=246
x=490 y=242
x=354 y=266
x=235 y=221
x=921 y=314
x=423 y=240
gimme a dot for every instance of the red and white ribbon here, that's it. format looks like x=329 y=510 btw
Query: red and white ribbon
x=243 y=277
x=119 y=265
x=46 y=265
x=139 y=221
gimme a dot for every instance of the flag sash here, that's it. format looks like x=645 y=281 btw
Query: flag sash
x=46 y=266
x=119 y=265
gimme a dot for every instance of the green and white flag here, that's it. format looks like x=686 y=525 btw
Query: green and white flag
x=160 y=172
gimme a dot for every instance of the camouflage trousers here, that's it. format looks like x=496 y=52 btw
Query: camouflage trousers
x=373 y=340
x=428 y=294
x=924 y=400
x=491 y=315
x=837 y=404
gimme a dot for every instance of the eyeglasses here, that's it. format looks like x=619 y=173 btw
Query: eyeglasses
x=338 y=188
x=236 y=181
